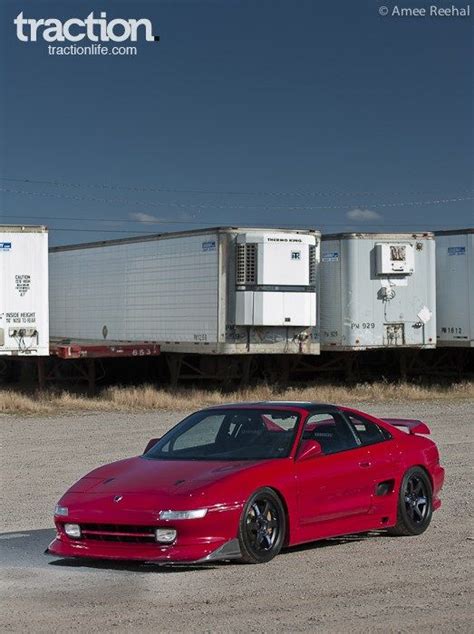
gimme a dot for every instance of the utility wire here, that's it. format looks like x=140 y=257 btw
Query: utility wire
x=120 y=201
x=267 y=226
x=209 y=223
x=348 y=226
x=59 y=183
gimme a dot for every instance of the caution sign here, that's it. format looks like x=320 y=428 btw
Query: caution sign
x=22 y=284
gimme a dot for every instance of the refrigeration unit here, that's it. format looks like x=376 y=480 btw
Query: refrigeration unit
x=24 y=291
x=377 y=291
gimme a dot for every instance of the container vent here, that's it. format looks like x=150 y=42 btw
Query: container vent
x=312 y=264
x=246 y=266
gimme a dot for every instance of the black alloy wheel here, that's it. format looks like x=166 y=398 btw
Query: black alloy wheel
x=414 y=503
x=262 y=527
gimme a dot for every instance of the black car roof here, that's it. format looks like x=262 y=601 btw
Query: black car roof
x=307 y=405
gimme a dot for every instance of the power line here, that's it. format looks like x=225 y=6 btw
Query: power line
x=158 y=221
x=58 y=183
x=120 y=201
x=201 y=223
x=286 y=225
x=347 y=225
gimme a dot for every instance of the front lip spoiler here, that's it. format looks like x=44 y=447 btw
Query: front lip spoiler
x=229 y=550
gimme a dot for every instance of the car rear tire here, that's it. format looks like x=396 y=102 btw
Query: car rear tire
x=262 y=527
x=415 y=503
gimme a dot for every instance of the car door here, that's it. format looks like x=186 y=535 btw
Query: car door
x=336 y=484
x=382 y=456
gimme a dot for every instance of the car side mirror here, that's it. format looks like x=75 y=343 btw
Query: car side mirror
x=309 y=449
x=151 y=443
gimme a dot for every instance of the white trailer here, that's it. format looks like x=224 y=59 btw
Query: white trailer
x=24 y=328
x=455 y=288
x=212 y=291
x=377 y=291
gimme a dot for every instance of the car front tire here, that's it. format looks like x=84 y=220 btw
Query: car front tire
x=262 y=527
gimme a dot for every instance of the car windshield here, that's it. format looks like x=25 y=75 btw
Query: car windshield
x=233 y=434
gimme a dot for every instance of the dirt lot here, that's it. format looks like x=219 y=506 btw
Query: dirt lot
x=375 y=583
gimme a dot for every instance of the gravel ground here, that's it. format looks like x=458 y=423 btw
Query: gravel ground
x=362 y=583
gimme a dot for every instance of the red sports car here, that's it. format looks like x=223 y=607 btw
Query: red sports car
x=242 y=481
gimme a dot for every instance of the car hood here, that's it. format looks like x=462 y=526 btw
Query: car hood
x=143 y=476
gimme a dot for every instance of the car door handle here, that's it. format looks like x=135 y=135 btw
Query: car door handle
x=365 y=464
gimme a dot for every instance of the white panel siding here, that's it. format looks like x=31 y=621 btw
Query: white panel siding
x=455 y=289
x=330 y=288
x=165 y=289
x=24 y=291
x=353 y=312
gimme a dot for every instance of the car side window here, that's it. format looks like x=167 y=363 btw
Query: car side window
x=368 y=432
x=331 y=431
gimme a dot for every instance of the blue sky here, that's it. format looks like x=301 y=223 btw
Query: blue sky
x=264 y=112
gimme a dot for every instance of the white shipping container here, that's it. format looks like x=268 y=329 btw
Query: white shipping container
x=377 y=291
x=224 y=291
x=24 y=326
x=455 y=287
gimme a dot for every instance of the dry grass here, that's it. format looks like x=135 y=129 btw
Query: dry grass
x=135 y=399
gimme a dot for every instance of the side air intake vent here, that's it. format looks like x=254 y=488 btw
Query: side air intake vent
x=246 y=266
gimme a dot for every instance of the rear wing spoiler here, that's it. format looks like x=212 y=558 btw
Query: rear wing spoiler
x=413 y=426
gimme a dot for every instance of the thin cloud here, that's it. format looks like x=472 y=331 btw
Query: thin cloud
x=363 y=215
x=144 y=218
x=149 y=219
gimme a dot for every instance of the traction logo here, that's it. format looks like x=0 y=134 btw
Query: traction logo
x=91 y=28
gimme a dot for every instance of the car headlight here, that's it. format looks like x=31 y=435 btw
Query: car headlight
x=182 y=515
x=165 y=535
x=61 y=510
x=73 y=530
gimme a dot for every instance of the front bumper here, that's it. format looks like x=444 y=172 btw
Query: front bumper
x=129 y=535
x=217 y=550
